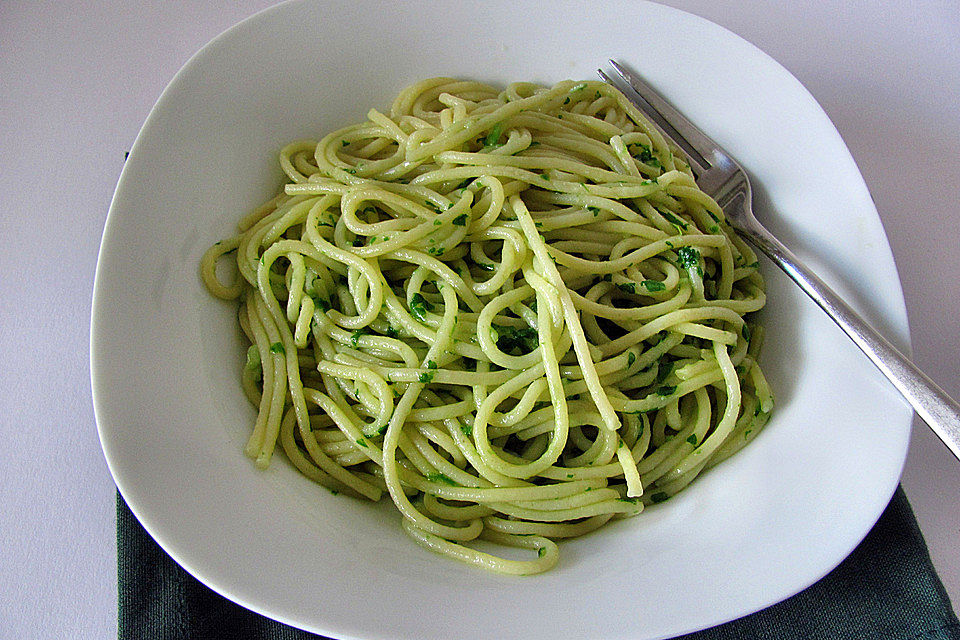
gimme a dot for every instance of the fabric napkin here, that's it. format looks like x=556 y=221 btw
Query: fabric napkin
x=885 y=590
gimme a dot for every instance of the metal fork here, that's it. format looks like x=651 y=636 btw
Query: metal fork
x=720 y=176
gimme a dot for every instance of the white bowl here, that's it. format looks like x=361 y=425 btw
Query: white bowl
x=166 y=356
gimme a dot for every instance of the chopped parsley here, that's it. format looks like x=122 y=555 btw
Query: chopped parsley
x=653 y=285
x=431 y=364
x=419 y=306
x=692 y=439
x=467 y=429
x=361 y=442
x=674 y=220
x=524 y=339
x=436 y=476
x=666 y=390
x=594 y=210
x=745 y=331
x=646 y=156
x=688 y=257
x=493 y=138
x=627 y=287
x=393 y=333
x=631 y=358
x=460 y=220
x=426 y=377
x=277 y=347
x=355 y=338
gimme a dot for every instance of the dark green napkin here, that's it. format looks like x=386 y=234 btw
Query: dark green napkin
x=886 y=589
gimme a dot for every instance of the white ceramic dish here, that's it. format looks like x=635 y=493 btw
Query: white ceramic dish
x=166 y=356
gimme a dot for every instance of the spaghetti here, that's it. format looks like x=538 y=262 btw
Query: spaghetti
x=513 y=311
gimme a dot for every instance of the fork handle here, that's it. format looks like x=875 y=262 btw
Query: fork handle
x=938 y=410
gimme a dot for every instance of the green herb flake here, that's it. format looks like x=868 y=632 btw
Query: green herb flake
x=653 y=285
x=508 y=339
x=754 y=265
x=627 y=287
x=675 y=221
x=646 y=156
x=493 y=138
x=688 y=257
x=460 y=220
x=419 y=306
x=355 y=338
x=542 y=551
x=361 y=442
x=692 y=439
x=666 y=390
x=426 y=377
x=745 y=331
x=579 y=87
x=431 y=364
x=467 y=430
x=631 y=358
x=594 y=210
x=277 y=347
x=443 y=478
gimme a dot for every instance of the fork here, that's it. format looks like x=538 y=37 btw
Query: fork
x=721 y=177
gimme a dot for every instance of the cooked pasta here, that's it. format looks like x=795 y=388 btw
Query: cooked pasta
x=513 y=311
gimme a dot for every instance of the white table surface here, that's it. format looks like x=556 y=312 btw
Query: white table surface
x=78 y=79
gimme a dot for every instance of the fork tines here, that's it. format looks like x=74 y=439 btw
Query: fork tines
x=673 y=124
